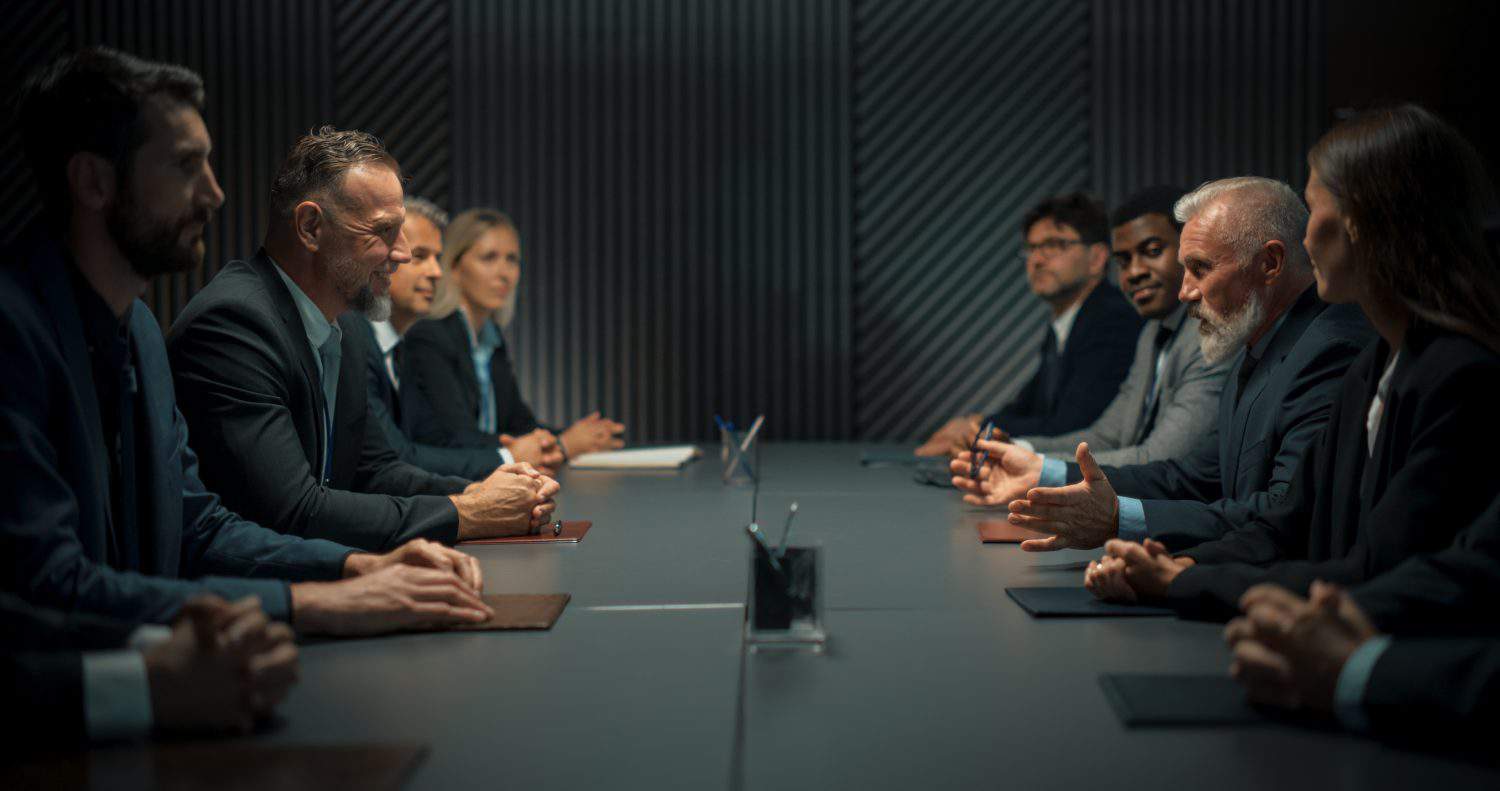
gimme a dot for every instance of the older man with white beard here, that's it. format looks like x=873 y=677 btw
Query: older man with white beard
x=1249 y=283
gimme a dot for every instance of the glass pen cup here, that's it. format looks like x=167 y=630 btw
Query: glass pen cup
x=784 y=605
x=739 y=458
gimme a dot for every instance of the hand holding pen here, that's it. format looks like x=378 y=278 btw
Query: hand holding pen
x=979 y=455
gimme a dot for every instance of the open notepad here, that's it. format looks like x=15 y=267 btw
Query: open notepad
x=665 y=458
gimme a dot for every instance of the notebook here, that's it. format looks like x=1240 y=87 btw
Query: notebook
x=572 y=533
x=669 y=457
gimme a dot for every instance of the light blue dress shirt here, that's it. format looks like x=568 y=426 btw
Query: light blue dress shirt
x=325 y=338
x=1349 y=692
x=482 y=349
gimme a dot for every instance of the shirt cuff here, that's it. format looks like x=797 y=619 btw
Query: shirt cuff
x=506 y=457
x=116 y=695
x=1349 y=693
x=1132 y=525
x=148 y=636
x=1024 y=444
x=1054 y=473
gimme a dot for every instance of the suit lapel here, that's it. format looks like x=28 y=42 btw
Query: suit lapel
x=349 y=414
x=455 y=324
x=1303 y=311
x=1144 y=361
x=50 y=272
x=287 y=309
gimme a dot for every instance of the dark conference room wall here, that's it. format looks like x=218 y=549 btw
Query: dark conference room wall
x=806 y=208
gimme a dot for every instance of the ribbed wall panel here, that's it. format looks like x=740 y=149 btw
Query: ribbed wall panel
x=391 y=79
x=267 y=71
x=1189 y=91
x=35 y=32
x=965 y=113
x=680 y=175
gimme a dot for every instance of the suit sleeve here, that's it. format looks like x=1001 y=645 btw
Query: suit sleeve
x=44 y=696
x=1451 y=591
x=516 y=417
x=470 y=463
x=228 y=383
x=1186 y=505
x=382 y=472
x=39 y=511
x=429 y=389
x=1436 y=690
x=1436 y=492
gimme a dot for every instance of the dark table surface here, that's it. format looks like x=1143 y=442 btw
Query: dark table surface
x=933 y=678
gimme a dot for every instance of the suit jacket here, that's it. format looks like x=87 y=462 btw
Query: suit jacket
x=1183 y=415
x=251 y=394
x=1437 y=690
x=385 y=409
x=440 y=392
x=41 y=669
x=1247 y=464
x=1093 y=363
x=1349 y=516
x=54 y=495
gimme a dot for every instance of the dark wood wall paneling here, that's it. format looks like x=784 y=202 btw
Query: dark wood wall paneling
x=802 y=208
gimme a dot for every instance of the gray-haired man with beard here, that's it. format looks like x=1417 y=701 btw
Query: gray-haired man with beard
x=275 y=394
x=1250 y=284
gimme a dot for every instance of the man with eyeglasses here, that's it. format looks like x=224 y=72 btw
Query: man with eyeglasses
x=1090 y=339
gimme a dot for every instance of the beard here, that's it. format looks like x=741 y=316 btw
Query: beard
x=154 y=247
x=1221 y=336
x=353 y=283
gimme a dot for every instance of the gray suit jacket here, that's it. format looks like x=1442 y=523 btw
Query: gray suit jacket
x=1186 y=408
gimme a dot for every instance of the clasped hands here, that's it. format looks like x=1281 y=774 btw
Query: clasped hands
x=514 y=499
x=1289 y=651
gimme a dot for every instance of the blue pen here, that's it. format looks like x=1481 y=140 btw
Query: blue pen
x=979 y=457
x=760 y=538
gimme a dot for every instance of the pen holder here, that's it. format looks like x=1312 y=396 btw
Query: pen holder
x=739 y=456
x=784 y=608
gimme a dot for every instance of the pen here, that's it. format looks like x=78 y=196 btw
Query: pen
x=786 y=532
x=760 y=538
x=979 y=457
x=750 y=435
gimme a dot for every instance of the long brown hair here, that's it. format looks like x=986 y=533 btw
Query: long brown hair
x=1417 y=195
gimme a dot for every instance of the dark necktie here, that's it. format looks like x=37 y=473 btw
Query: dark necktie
x=1247 y=370
x=1148 y=410
x=1051 y=369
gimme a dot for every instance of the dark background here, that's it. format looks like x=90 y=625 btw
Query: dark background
x=801 y=207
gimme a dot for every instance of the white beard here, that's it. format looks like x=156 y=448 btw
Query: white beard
x=1220 y=337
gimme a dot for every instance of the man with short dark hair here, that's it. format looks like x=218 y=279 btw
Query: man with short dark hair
x=1166 y=405
x=1090 y=342
x=101 y=508
x=276 y=393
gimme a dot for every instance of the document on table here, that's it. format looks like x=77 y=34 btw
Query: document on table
x=669 y=457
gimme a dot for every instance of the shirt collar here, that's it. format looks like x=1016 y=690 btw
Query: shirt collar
x=488 y=338
x=1259 y=349
x=1172 y=322
x=101 y=329
x=386 y=336
x=317 y=327
x=1063 y=324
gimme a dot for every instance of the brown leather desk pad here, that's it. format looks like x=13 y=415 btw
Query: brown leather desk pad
x=520 y=611
x=999 y=531
x=229 y=765
x=572 y=533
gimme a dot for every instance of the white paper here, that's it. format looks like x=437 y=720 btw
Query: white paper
x=665 y=458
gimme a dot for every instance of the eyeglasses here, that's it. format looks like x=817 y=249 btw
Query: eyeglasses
x=1049 y=248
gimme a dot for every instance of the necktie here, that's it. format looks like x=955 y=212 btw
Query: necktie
x=1153 y=384
x=1051 y=368
x=1247 y=369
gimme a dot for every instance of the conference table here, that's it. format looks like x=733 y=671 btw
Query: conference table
x=932 y=677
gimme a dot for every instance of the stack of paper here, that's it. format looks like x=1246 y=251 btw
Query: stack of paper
x=665 y=458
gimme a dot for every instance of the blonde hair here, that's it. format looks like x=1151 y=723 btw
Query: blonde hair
x=460 y=235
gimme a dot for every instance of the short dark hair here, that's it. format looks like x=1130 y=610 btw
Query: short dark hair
x=1151 y=200
x=319 y=160
x=93 y=101
x=1077 y=210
